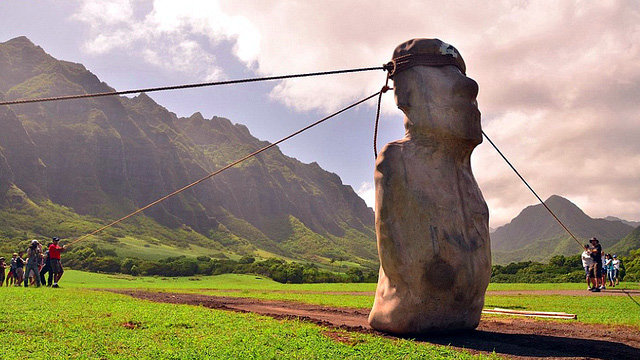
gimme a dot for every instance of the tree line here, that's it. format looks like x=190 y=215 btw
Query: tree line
x=92 y=258
x=559 y=269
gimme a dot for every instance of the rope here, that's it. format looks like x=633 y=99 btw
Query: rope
x=533 y=191
x=189 y=86
x=224 y=168
x=384 y=89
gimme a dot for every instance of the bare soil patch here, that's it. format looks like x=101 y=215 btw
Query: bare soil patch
x=585 y=292
x=512 y=338
x=132 y=325
x=608 y=292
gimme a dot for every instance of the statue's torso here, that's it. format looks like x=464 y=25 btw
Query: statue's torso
x=433 y=236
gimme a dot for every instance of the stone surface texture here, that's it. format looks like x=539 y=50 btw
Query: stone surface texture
x=432 y=222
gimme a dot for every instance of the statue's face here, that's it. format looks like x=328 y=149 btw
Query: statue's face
x=439 y=101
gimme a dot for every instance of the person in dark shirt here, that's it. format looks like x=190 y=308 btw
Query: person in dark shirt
x=46 y=269
x=596 y=255
x=2 y=267
x=11 y=276
x=19 y=269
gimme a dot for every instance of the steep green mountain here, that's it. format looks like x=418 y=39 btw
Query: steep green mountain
x=535 y=235
x=94 y=160
x=628 y=243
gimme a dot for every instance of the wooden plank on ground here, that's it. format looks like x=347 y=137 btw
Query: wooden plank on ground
x=541 y=314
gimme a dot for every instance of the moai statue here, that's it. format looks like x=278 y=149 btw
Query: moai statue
x=432 y=223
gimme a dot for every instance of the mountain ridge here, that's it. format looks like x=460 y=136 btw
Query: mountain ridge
x=104 y=157
x=535 y=235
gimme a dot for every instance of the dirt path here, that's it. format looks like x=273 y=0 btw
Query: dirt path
x=513 y=338
x=585 y=292
x=608 y=292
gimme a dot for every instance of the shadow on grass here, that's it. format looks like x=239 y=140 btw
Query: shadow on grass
x=532 y=345
x=631 y=297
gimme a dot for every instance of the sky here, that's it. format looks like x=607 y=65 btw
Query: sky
x=559 y=80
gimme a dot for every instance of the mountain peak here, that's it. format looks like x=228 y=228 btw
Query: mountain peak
x=24 y=43
x=197 y=116
x=563 y=206
x=535 y=235
x=20 y=41
x=557 y=199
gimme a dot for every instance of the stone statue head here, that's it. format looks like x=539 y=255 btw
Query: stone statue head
x=431 y=88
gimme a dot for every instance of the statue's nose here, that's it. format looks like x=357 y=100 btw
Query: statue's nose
x=465 y=87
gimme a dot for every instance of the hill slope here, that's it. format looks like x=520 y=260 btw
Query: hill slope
x=630 y=223
x=535 y=235
x=628 y=243
x=103 y=157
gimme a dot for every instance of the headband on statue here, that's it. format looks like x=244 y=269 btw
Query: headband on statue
x=424 y=52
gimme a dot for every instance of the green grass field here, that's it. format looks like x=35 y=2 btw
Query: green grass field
x=74 y=278
x=78 y=322
x=72 y=323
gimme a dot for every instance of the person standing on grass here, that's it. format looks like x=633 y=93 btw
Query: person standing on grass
x=616 y=269
x=587 y=263
x=18 y=273
x=46 y=269
x=54 y=259
x=596 y=255
x=603 y=280
x=608 y=265
x=11 y=277
x=33 y=252
x=3 y=266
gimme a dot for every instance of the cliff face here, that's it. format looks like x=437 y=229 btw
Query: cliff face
x=107 y=156
x=19 y=161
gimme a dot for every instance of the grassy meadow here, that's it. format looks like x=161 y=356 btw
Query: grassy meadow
x=76 y=323
x=80 y=321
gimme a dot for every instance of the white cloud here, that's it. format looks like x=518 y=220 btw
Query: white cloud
x=367 y=192
x=107 y=12
x=559 y=81
x=174 y=35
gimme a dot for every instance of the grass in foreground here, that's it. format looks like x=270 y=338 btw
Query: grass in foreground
x=75 y=323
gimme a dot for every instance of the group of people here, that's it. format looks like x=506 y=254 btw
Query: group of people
x=599 y=267
x=32 y=270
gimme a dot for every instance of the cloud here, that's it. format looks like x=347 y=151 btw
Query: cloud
x=112 y=12
x=559 y=81
x=368 y=193
x=176 y=36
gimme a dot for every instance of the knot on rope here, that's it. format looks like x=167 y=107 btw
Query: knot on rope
x=389 y=67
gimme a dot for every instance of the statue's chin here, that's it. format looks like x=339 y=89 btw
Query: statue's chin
x=469 y=129
x=464 y=127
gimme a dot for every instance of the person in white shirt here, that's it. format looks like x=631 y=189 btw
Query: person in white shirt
x=616 y=269
x=608 y=265
x=587 y=264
